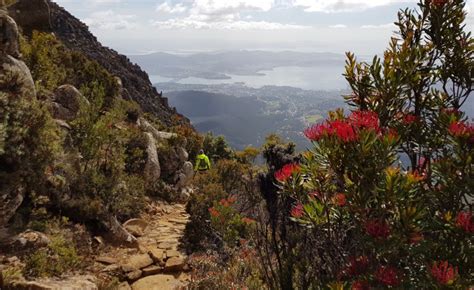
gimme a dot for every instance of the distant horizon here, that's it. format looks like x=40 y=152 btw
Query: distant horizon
x=182 y=26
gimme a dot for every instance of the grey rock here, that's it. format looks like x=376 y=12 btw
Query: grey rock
x=182 y=154
x=152 y=165
x=31 y=15
x=118 y=233
x=158 y=135
x=10 y=201
x=9 y=36
x=136 y=227
x=15 y=77
x=67 y=102
x=30 y=240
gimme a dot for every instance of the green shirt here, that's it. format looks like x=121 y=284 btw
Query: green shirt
x=202 y=163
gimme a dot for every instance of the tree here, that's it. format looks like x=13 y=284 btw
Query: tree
x=376 y=220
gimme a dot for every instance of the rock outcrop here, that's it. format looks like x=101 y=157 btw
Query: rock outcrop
x=67 y=102
x=31 y=15
x=152 y=165
x=15 y=78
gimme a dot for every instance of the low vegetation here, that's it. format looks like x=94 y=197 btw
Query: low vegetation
x=383 y=199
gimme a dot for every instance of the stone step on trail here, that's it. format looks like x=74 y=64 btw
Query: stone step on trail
x=158 y=262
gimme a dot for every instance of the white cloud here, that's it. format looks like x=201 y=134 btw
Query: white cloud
x=380 y=26
x=90 y=2
x=221 y=14
x=109 y=20
x=165 y=7
x=338 y=26
x=470 y=12
x=190 y=23
x=333 y=6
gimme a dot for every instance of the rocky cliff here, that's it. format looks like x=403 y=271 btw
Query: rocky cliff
x=45 y=15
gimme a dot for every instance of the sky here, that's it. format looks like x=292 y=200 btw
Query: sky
x=184 y=26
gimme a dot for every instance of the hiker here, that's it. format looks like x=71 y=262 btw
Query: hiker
x=202 y=162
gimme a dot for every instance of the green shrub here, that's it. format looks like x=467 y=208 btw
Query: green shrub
x=216 y=147
x=366 y=218
x=55 y=260
x=52 y=65
x=29 y=144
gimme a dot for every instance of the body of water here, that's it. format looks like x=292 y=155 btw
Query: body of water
x=309 y=78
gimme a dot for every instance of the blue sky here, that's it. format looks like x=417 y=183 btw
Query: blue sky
x=142 y=26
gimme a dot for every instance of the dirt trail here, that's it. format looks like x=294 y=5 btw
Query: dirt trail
x=157 y=263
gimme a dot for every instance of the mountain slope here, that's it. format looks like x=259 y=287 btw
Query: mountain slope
x=76 y=36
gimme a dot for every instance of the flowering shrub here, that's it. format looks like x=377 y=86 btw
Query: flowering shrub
x=228 y=222
x=388 y=188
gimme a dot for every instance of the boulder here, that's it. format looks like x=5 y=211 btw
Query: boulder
x=30 y=240
x=137 y=262
x=185 y=176
x=9 y=36
x=15 y=77
x=118 y=233
x=31 y=15
x=136 y=227
x=157 y=282
x=158 y=135
x=67 y=101
x=182 y=154
x=152 y=165
x=10 y=201
x=174 y=264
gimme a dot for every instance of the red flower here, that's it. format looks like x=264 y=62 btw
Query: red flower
x=360 y=285
x=365 y=119
x=214 y=212
x=377 y=229
x=409 y=119
x=287 y=171
x=297 y=211
x=340 y=199
x=343 y=130
x=226 y=202
x=316 y=132
x=461 y=129
x=357 y=266
x=388 y=276
x=444 y=273
x=464 y=221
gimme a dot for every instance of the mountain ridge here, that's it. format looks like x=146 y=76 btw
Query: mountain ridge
x=75 y=35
